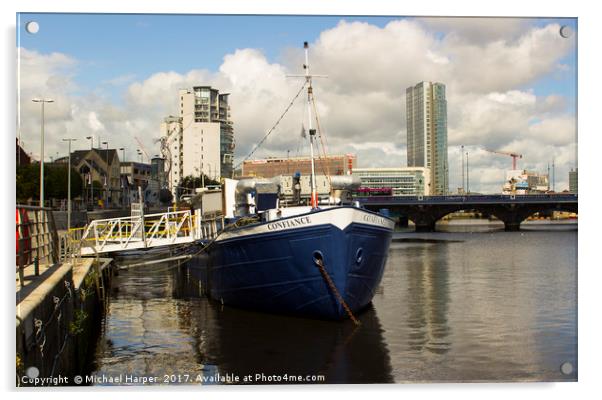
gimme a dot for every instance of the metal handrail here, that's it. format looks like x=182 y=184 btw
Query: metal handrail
x=140 y=231
x=37 y=239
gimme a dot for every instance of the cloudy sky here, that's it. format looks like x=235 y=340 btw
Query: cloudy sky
x=511 y=83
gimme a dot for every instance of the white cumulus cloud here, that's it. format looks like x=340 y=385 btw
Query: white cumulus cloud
x=489 y=67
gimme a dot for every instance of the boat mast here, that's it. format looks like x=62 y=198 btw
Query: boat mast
x=312 y=132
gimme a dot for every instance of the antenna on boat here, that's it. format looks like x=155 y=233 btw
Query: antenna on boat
x=312 y=132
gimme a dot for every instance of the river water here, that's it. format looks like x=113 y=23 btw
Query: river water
x=472 y=303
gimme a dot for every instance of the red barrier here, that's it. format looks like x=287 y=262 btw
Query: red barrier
x=22 y=236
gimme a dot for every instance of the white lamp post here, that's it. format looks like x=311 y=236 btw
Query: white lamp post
x=43 y=101
x=108 y=174
x=122 y=184
x=69 y=185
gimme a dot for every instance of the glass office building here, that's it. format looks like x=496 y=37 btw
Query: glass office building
x=426 y=113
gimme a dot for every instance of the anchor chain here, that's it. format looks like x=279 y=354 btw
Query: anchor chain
x=334 y=289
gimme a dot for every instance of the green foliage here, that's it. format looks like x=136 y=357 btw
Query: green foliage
x=19 y=365
x=28 y=182
x=55 y=182
x=90 y=279
x=77 y=325
x=192 y=182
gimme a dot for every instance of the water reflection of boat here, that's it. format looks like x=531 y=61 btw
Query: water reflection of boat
x=267 y=346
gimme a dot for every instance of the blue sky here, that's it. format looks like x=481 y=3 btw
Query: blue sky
x=552 y=84
x=514 y=104
x=118 y=45
x=135 y=46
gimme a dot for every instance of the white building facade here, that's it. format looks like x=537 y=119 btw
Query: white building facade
x=525 y=182
x=200 y=139
x=403 y=181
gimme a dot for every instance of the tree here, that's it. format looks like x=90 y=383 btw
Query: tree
x=55 y=182
x=28 y=182
x=192 y=182
x=56 y=185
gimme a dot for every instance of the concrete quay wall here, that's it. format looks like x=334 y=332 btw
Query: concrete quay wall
x=58 y=315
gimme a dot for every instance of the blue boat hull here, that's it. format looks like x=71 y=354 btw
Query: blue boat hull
x=275 y=272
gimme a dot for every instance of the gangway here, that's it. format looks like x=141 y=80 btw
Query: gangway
x=145 y=231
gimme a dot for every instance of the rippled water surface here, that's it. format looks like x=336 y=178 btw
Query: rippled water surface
x=469 y=304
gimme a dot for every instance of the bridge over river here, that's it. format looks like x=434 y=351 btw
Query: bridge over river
x=425 y=211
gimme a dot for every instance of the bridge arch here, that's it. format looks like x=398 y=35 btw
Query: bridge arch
x=512 y=215
x=484 y=214
x=425 y=211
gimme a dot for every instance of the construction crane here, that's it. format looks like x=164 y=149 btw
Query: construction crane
x=165 y=143
x=142 y=147
x=506 y=153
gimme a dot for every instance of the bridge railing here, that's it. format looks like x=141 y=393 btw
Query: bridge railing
x=495 y=198
x=148 y=229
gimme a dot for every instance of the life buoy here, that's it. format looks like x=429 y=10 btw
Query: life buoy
x=22 y=236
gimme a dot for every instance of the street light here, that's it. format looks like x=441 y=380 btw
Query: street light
x=69 y=185
x=43 y=101
x=91 y=139
x=462 y=153
x=122 y=185
x=467 y=178
x=202 y=173
x=108 y=173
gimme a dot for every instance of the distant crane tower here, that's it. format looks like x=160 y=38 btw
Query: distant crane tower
x=165 y=142
x=142 y=147
x=506 y=153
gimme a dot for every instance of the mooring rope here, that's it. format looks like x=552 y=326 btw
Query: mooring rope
x=334 y=289
x=322 y=147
